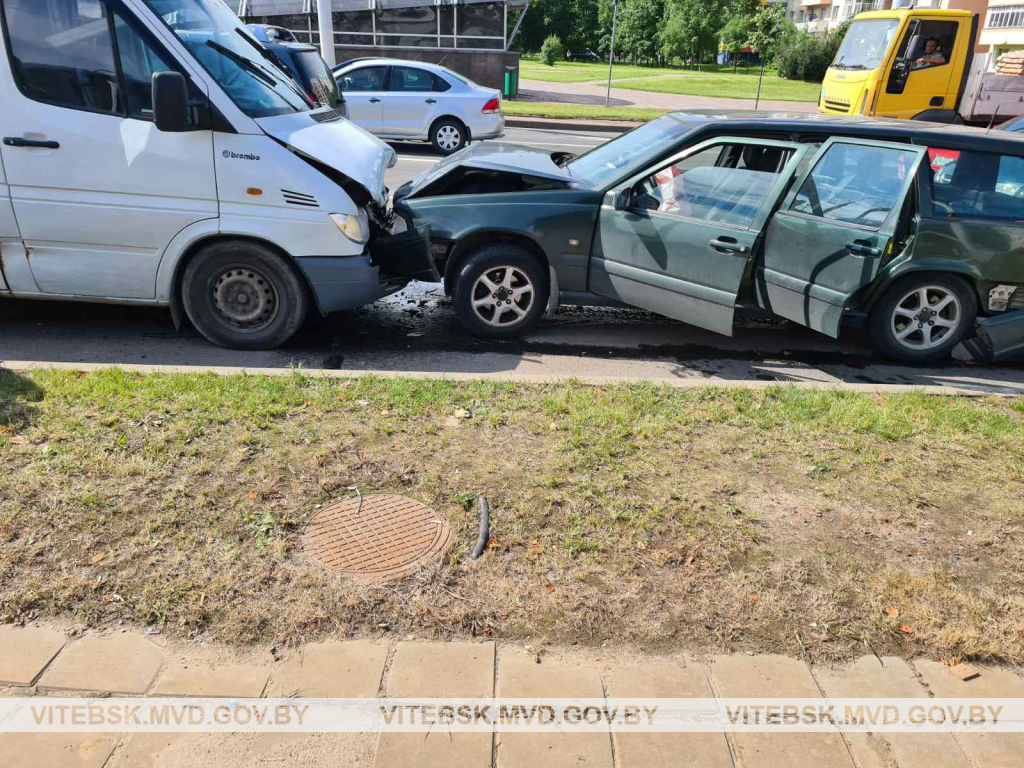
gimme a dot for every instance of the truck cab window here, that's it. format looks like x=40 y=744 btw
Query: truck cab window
x=927 y=44
x=138 y=63
x=62 y=53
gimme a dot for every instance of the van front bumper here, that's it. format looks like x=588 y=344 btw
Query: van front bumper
x=347 y=282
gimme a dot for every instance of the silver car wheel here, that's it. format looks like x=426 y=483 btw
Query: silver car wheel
x=925 y=317
x=448 y=137
x=245 y=298
x=502 y=296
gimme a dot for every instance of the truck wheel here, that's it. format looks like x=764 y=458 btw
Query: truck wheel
x=501 y=291
x=243 y=295
x=448 y=136
x=921 y=318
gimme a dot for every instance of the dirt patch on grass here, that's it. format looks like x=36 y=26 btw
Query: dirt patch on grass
x=821 y=523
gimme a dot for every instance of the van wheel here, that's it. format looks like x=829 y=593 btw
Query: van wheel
x=501 y=291
x=448 y=136
x=922 y=317
x=243 y=295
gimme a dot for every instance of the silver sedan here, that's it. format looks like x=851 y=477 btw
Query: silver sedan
x=403 y=100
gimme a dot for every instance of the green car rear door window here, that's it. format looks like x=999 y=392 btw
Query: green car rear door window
x=977 y=185
x=841 y=188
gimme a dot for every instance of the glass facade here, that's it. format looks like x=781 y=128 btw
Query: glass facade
x=462 y=24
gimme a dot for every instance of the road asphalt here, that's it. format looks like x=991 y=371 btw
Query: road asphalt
x=416 y=330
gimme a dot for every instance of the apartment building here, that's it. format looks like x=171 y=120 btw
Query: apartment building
x=1002 y=28
x=821 y=16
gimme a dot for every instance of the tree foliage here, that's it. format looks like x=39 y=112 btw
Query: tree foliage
x=691 y=28
x=806 y=56
x=552 y=51
x=771 y=31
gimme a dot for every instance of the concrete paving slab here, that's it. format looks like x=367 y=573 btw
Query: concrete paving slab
x=119 y=663
x=778 y=676
x=332 y=670
x=244 y=750
x=56 y=750
x=892 y=679
x=439 y=670
x=984 y=749
x=521 y=677
x=671 y=750
x=25 y=652
x=235 y=680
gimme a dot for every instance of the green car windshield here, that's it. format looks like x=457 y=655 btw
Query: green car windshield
x=604 y=165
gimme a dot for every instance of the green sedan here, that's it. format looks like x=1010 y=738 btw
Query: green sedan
x=831 y=222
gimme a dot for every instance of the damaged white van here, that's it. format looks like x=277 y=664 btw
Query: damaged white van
x=154 y=153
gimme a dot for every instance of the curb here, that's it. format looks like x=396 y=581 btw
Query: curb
x=551 y=124
x=519 y=378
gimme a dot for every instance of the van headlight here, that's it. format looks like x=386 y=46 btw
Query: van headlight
x=356 y=228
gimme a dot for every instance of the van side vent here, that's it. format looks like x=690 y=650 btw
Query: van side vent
x=300 y=198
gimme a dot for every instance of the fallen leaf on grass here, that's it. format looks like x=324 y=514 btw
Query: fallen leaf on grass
x=549 y=588
x=906 y=629
x=493 y=544
x=19 y=440
x=98 y=558
x=754 y=597
x=893 y=613
x=536 y=548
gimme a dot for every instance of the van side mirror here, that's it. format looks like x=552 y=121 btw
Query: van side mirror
x=170 y=102
x=623 y=198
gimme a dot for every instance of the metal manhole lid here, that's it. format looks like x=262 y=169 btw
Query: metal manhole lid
x=386 y=537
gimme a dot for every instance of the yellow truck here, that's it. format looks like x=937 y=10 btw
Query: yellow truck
x=916 y=64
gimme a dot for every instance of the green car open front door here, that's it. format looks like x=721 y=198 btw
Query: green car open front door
x=834 y=229
x=678 y=239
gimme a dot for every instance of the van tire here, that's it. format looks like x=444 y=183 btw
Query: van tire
x=243 y=295
x=961 y=310
x=494 y=262
x=448 y=136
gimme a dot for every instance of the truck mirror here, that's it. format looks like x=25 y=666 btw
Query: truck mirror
x=623 y=198
x=170 y=102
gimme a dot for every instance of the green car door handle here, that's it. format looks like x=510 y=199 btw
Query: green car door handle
x=725 y=245
x=863 y=250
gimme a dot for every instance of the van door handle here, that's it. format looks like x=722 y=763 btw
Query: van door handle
x=725 y=245
x=431 y=101
x=375 y=100
x=17 y=141
x=863 y=250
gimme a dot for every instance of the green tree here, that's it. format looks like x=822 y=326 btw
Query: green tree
x=771 y=31
x=639 y=22
x=552 y=51
x=735 y=35
x=691 y=28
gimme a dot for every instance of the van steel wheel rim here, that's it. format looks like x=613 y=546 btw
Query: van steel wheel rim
x=925 y=317
x=502 y=296
x=448 y=137
x=245 y=298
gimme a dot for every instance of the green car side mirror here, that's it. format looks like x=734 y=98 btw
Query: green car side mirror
x=623 y=198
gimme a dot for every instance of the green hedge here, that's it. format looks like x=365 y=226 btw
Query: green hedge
x=807 y=56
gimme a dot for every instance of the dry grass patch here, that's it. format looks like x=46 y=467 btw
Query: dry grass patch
x=785 y=520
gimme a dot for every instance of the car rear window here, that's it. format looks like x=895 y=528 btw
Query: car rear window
x=316 y=78
x=977 y=185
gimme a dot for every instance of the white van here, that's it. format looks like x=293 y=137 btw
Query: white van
x=153 y=153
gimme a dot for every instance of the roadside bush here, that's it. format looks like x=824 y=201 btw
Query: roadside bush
x=552 y=51
x=807 y=56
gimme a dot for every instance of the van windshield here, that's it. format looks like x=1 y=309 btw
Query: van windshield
x=865 y=44
x=218 y=40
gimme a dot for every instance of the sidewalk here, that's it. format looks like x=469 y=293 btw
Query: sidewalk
x=594 y=94
x=42 y=661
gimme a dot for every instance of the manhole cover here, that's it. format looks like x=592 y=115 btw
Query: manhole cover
x=385 y=537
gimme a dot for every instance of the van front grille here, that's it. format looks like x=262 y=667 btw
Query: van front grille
x=300 y=198
x=837 y=106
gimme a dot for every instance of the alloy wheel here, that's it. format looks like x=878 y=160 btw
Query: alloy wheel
x=925 y=317
x=502 y=296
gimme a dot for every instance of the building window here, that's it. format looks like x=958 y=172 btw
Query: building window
x=1006 y=16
